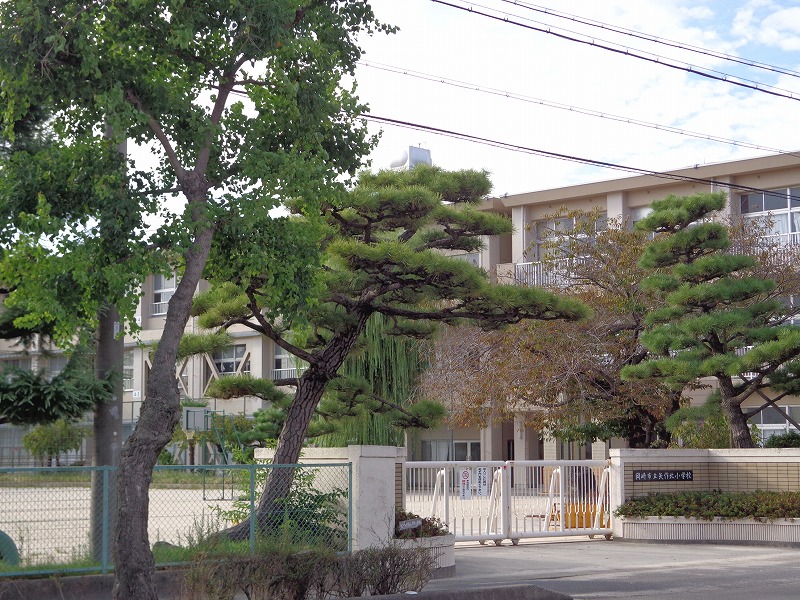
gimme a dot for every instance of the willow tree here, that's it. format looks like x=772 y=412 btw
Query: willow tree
x=390 y=366
x=386 y=248
x=239 y=103
x=721 y=319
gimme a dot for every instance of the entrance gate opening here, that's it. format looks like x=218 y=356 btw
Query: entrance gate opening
x=496 y=500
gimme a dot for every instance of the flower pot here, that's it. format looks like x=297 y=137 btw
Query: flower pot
x=442 y=547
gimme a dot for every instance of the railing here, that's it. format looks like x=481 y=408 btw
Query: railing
x=290 y=373
x=554 y=273
x=158 y=308
x=56 y=526
x=494 y=500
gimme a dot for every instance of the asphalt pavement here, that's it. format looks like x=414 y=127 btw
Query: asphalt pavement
x=597 y=568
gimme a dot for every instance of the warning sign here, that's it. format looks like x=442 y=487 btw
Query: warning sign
x=482 y=475
x=466 y=483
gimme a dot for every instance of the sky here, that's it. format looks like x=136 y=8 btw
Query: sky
x=502 y=80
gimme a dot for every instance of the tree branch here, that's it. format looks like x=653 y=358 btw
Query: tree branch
x=172 y=156
x=269 y=331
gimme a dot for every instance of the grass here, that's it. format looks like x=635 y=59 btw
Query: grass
x=165 y=555
x=78 y=477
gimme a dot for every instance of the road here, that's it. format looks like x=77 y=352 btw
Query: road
x=598 y=568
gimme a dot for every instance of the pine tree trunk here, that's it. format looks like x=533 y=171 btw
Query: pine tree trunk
x=298 y=417
x=133 y=558
x=740 y=431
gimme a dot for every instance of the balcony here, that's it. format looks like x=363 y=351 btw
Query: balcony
x=552 y=274
x=290 y=373
x=158 y=308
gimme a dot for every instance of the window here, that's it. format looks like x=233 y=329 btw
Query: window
x=770 y=422
x=282 y=358
x=638 y=214
x=471 y=257
x=545 y=234
x=232 y=360
x=163 y=289
x=127 y=371
x=781 y=205
x=56 y=364
x=23 y=363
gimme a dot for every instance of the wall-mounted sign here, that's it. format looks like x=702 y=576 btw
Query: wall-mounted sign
x=482 y=477
x=653 y=475
x=465 y=474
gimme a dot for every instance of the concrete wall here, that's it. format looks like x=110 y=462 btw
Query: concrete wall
x=641 y=472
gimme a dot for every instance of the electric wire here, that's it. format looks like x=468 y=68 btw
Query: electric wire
x=652 y=58
x=566 y=107
x=656 y=39
x=561 y=156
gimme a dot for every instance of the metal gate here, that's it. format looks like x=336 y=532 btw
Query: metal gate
x=493 y=500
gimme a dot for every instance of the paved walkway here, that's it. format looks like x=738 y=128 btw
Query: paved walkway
x=584 y=568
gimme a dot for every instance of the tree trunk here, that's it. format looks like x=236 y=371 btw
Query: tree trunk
x=298 y=417
x=133 y=558
x=737 y=424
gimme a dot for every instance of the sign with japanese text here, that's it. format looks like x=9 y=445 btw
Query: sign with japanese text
x=409 y=524
x=466 y=483
x=482 y=475
x=658 y=475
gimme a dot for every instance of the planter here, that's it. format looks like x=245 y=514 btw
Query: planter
x=442 y=547
x=682 y=529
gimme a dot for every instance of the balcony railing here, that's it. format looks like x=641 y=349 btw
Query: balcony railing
x=290 y=373
x=557 y=273
x=550 y=274
x=159 y=308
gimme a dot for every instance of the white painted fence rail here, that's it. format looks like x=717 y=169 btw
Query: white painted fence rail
x=494 y=500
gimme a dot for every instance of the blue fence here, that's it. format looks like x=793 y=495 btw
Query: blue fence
x=60 y=520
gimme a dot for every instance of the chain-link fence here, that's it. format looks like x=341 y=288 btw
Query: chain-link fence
x=60 y=520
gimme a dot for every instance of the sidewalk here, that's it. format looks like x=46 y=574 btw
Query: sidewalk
x=583 y=568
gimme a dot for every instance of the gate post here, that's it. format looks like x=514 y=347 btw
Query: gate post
x=446 y=496
x=505 y=500
x=616 y=489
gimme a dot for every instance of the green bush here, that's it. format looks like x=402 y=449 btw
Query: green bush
x=52 y=440
x=759 y=505
x=306 y=516
x=166 y=457
x=430 y=526
x=785 y=440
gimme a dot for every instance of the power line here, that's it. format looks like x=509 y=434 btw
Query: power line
x=655 y=59
x=656 y=39
x=575 y=109
x=560 y=156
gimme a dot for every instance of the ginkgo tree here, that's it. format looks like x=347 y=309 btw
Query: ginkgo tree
x=239 y=104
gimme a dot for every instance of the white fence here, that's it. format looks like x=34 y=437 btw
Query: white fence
x=493 y=500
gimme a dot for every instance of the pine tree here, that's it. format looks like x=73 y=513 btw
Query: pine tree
x=721 y=318
x=386 y=248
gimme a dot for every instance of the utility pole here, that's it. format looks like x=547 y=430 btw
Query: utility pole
x=107 y=427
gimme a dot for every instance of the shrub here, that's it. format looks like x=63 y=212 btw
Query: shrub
x=429 y=527
x=759 y=505
x=289 y=573
x=785 y=440
x=52 y=440
x=166 y=457
x=307 y=515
